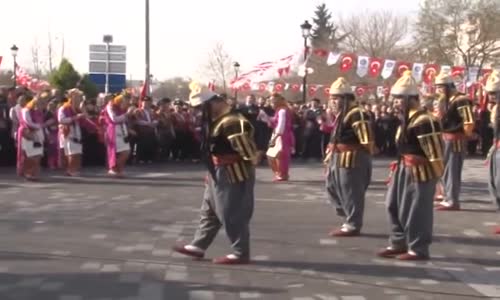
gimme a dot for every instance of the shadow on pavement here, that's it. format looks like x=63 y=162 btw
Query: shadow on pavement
x=48 y=286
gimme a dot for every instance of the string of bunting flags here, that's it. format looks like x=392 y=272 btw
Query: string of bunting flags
x=261 y=76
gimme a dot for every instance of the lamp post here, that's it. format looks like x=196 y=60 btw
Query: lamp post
x=306 y=33
x=14 y=50
x=107 y=39
x=148 y=72
x=236 y=66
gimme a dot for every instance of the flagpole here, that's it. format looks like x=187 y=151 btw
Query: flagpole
x=147 y=79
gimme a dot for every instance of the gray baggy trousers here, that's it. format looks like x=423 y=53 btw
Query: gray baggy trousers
x=411 y=211
x=229 y=205
x=452 y=176
x=346 y=187
x=494 y=181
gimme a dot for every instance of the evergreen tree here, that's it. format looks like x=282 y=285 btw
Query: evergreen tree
x=324 y=32
x=66 y=78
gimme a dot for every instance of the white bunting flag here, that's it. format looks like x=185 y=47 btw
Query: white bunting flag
x=380 y=91
x=287 y=86
x=270 y=86
x=446 y=69
x=363 y=64
x=254 y=86
x=417 y=71
x=472 y=75
x=333 y=58
x=388 y=68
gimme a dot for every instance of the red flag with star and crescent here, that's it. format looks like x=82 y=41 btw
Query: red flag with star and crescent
x=375 y=67
x=402 y=67
x=346 y=62
x=430 y=71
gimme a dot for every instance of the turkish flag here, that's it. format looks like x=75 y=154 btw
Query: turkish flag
x=278 y=87
x=246 y=86
x=1 y=57
x=360 y=91
x=312 y=90
x=402 y=67
x=320 y=52
x=346 y=62
x=295 y=87
x=262 y=87
x=485 y=73
x=457 y=71
x=326 y=91
x=375 y=67
x=430 y=71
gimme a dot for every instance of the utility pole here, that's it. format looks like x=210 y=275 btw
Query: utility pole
x=148 y=72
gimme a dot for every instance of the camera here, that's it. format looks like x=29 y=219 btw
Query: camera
x=37 y=144
x=126 y=139
x=75 y=140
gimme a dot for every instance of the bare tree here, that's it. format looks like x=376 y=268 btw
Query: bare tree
x=219 y=65
x=35 y=59
x=376 y=34
x=50 y=53
x=460 y=31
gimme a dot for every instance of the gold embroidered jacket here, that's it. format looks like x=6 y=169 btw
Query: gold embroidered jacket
x=421 y=147
x=459 y=118
x=232 y=145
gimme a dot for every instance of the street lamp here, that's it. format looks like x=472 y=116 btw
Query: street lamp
x=107 y=39
x=14 y=50
x=147 y=47
x=306 y=33
x=236 y=66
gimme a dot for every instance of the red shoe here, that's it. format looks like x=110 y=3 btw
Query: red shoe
x=279 y=179
x=497 y=230
x=344 y=233
x=227 y=260
x=391 y=253
x=442 y=207
x=182 y=250
x=413 y=257
x=438 y=199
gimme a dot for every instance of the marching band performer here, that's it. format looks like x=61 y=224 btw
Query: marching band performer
x=117 y=135
x=493 y=89
x=227 y=138
x=30 y=139
x=348 y=159
x=282 y=141
x=458 y=124
x=411 y=190
x=70 y=117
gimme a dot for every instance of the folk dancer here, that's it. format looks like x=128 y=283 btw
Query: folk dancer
x=409 y=198
x=52 y=135
x=493 y=89
x=30 y=140
x=348 y=159
x=70 y=120
x=229 y=192
x=458 y=125
x=117 y=135
x=282 y=140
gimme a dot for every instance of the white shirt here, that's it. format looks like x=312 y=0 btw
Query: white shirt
x=280 y=127
x=74 y=128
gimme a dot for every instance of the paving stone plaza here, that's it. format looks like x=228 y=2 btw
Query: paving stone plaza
x=95 y=238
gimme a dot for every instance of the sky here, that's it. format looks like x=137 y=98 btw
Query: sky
x=182 y=32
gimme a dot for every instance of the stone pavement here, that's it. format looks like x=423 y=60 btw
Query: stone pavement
x=95 y=238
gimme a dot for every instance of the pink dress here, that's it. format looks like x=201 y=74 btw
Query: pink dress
x=282 y=124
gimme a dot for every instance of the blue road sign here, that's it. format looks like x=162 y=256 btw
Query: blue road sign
x=117 y=82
